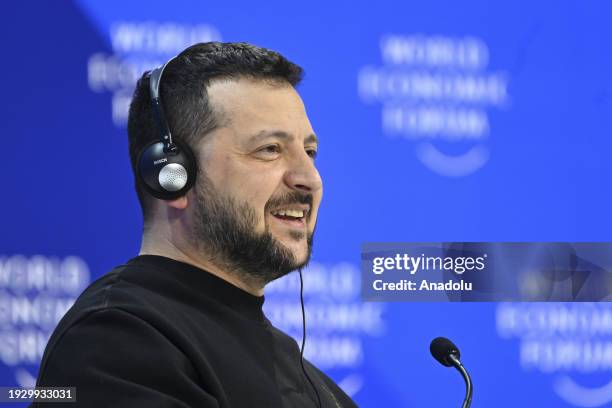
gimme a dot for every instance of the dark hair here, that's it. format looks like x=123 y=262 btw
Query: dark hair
x=185 y=98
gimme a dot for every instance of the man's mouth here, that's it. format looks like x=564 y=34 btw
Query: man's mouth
x=294 y=216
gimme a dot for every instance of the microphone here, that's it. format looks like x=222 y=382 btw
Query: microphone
x=447 y=354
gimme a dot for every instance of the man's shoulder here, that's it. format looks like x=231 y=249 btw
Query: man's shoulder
x=117 y=306
x=117 y=289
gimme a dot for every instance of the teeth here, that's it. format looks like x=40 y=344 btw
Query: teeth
x=290 y=213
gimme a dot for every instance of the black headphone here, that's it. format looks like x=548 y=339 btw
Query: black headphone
x=166 y=167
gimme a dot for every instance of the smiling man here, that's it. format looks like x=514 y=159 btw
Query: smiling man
x=181 y=324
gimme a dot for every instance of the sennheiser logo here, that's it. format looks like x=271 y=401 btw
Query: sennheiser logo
x=156 y=162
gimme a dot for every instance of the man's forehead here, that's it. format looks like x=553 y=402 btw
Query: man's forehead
x=257 y=110
x=244 y=94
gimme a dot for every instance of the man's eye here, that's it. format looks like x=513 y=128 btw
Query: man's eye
x=268 y=152
x=312 y=153
x=272 y=149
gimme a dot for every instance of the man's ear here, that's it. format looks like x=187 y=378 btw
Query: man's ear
x=179 y=203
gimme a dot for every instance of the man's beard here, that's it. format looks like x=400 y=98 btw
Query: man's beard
x=225 y=230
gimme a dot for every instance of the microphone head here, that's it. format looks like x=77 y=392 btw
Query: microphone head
x=441 y=348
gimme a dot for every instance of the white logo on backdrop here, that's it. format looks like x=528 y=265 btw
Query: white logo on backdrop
x=138 y=47
x=568 y=340
x=435 y=92
x=336 y=318
x=35 y=293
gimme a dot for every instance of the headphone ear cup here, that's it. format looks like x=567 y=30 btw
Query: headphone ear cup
x=167 y=175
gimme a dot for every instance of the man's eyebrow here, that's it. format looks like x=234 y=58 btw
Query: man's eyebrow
x=312 y=138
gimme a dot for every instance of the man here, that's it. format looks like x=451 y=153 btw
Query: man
x=181 y=325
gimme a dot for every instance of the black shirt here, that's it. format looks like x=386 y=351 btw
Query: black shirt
x=161 y=333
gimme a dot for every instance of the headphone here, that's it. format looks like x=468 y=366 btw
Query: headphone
x=166 y=167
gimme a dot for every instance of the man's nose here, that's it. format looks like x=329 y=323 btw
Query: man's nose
x=302 y=175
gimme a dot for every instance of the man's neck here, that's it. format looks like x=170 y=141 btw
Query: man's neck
x=169 y=250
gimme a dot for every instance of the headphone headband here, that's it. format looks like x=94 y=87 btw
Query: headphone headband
x=155 y=77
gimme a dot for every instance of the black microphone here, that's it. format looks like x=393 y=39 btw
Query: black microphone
x=447 y=354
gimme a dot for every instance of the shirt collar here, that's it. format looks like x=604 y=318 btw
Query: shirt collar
x=200 y=283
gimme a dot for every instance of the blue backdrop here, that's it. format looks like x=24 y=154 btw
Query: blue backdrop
x=438 y=121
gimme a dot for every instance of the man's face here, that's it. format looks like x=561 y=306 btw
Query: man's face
x=258 y=191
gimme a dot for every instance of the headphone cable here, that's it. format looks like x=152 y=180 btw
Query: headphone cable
x=304 y=338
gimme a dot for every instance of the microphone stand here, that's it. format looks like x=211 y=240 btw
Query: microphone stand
x=468 y=381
